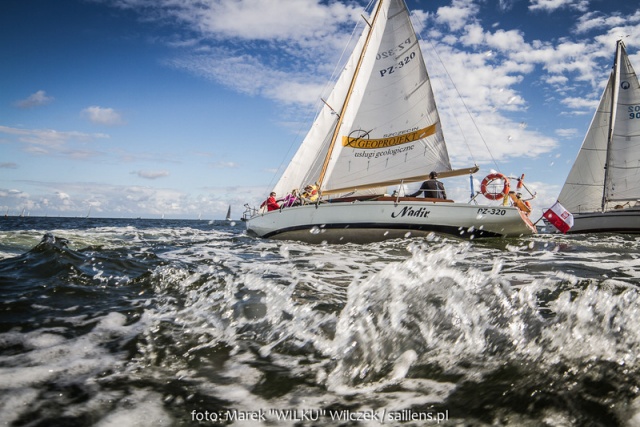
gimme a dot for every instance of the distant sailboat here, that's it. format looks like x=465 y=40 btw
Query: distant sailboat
x=602 y=190
x=378 y=128
x=229 y=213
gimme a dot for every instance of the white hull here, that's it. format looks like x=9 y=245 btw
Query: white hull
x=371 y=221
x=618 y=221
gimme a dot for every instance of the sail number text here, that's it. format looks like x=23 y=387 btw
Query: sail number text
x=399 y=65
x=492 y=211
x=634 y=111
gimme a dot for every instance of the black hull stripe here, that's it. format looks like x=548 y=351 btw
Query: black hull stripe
x=443 y=229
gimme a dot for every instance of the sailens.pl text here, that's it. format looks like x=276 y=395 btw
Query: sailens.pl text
x=381 y=415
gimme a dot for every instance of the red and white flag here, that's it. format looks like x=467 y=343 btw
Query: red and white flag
x=561 y=218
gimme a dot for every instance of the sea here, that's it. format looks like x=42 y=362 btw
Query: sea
x=139 y=322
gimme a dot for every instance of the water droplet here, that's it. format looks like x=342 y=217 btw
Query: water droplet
x=284 y=251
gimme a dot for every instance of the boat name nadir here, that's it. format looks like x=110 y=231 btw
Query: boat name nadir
x=409 y=211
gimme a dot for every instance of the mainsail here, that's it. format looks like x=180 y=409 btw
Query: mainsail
x=380 y=125
x=607 y=169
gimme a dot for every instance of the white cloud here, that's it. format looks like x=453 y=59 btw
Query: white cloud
x=35 y=100
x=551 y=5
x=15 y=192
x=253 y=77
x=109 y=200
x=567 y=133
x=50 y=138
x=45 y=142
x=147 y=174
x=594 y=21
x=457 y=15
x=512 y=40
x=103 y=116
x=253 y=19
x=556 y=80
x=580 y=103
x=224 y=165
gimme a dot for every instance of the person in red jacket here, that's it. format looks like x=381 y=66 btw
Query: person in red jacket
x=271 y=203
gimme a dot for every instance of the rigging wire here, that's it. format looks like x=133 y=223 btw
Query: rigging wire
x=466 y=108
x=419 y=34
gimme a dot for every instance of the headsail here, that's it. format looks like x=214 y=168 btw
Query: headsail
x=623 y=166
x=610 y=152
x=582 y=191
x=389 y=130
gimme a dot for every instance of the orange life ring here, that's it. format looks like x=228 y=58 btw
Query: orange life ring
x=488 y=180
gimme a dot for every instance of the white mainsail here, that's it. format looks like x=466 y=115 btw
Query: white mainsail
x=384 y=127
x=607 y=169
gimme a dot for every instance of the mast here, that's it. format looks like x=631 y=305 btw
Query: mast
x=615 y=82
x=334 y=137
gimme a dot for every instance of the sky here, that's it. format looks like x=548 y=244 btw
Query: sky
x=158 y=108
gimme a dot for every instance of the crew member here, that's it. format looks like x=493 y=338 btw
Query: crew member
x=271 y=203
x=431 y=188
x=310 y=194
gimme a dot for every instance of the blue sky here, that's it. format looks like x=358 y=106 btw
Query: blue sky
x=156 y=107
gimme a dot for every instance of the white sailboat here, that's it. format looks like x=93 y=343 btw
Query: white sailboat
x=229 y=213
x=602 y=190
x=379 y=127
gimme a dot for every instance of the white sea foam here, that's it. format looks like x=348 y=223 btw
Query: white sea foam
x=357 y=325
x=141 y=408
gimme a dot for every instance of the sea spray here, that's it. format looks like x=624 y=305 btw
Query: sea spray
x=427 y=305
x=204 y=318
